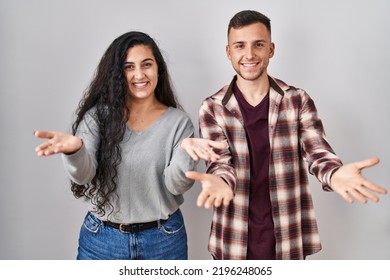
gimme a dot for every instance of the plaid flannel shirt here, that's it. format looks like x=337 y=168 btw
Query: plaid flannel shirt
x=298 y=143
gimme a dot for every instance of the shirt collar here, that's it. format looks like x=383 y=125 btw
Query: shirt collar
x=229 y=91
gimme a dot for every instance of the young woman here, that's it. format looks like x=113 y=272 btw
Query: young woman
x=126 y=156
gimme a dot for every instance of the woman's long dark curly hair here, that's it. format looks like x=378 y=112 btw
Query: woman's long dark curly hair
x=109 y=93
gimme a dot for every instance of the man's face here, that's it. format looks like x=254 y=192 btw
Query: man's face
x=249 y=50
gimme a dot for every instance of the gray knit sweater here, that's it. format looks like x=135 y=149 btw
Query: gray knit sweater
x=151 y=177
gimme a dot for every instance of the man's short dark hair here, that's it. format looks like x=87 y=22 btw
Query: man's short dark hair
x=248 y=17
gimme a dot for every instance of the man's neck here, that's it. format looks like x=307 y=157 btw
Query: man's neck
x=254 y=91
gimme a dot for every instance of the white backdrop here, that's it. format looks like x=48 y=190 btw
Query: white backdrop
x=337 y=50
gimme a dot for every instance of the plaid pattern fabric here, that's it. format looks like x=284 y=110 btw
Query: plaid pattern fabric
x=298 y=143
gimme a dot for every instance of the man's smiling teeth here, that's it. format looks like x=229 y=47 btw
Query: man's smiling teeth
x=249 y=64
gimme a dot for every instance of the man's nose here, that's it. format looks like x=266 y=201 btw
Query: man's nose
x=250 y=53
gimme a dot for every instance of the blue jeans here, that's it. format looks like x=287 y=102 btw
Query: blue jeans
x=100 y=242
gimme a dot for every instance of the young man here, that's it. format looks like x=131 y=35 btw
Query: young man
x=271 y=130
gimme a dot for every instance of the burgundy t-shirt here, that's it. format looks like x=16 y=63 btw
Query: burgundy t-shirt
x=261 y=237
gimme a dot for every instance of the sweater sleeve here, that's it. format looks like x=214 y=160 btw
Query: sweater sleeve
x=180 y=162
x=81 y=166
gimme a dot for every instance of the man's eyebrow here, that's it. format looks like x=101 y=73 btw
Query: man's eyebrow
x=244 y=42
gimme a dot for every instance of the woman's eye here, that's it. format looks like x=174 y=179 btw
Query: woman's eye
x=128 y=67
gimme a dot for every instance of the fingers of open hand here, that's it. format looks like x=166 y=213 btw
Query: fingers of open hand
x=217 y=145
x=192 y=154
x=367 y=163
x=205 y=153
x=228 y=197
x=360 y=193
x=57 y=142
x=207 y=199
x=354 y=194
x=365 y=189
x=218 y=201
x=201 y=148
x=210 y=155
x=44 y=134
x=47 y=149
x=194 y=175
x=202 y=198
x=373 y=187
x=209 y=202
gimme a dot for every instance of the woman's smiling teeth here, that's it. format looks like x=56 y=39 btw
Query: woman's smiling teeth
x=140 y=84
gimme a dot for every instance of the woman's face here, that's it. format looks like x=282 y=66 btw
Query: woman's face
x=141 y=72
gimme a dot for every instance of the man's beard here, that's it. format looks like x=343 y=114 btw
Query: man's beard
x=250 y=76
